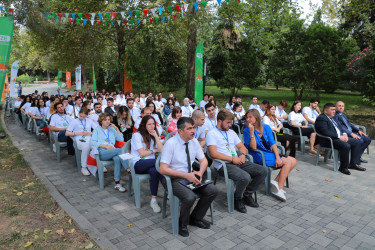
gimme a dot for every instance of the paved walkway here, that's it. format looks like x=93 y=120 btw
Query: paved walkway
x=324 y=209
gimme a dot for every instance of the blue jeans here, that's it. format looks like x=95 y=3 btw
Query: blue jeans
x=147 y=166
x=112 y=154
x=41 y=123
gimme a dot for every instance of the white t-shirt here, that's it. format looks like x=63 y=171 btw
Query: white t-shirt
x=163 y=100
x=255 y=106
x=238 y=115
x=225 y=142
x=174 y=153
x=134 y=113
x=48 y=103
x=17 y=103
x=187 y=111
x=142 y=101
x=158 y=126
x=60 y=121
x=38 y=113
x=120 y=101
x=74 y=111
x=267 y=120
x=78 y=126
x=26 y=107
x=312 y=114
x=202 y=104
x=296 y=117
x=94 y=120
x=280 y=113
x=228 y=106
x=137 y=143
x=210 y=124
x=158 y=104
x=200 y=132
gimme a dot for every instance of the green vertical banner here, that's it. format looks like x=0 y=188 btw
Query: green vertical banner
x=93 y=77
x=198 y=95
x=6 y=35
x=59 y=78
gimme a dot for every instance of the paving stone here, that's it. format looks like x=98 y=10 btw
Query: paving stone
x=223 y=243
x=320 y=239
x=174 y=244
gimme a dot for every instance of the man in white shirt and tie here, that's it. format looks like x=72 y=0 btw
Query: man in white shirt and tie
x=176 y=161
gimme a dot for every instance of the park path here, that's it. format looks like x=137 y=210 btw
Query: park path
x=324 y=209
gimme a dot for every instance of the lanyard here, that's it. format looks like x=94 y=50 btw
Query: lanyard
x=212 y=122
x=63 y=117
x=106 y=135
x=239 y=114
x=195 y=132
x=124 y=121
x=225 y=137
x=131 y=111
x=77 y=109
x=84 y=126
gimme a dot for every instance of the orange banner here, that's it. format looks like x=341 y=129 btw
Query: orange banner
x=68 y=80
x=128 y=83
x=6 y=88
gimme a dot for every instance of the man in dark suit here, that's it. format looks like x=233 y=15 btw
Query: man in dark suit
x=352 y=130
x=111 y=109
x=327 y=125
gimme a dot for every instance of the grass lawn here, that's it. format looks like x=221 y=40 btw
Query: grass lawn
x=29 y=216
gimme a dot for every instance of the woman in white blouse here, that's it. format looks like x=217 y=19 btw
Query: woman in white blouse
x=296 y=119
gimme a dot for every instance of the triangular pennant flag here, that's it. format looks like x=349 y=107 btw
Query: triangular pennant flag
x=163 y=19
x=80 y=15
x=125 y=22
x=41 y=15
x=119 y=22
x=105 y=23
x=138 y=21
x=170 y=9
x=228 y=1
x=108 y=15
x=177 y=8
x=47 y=15
x=123 y=15
x=98 y=22
x=153 y=11
x=73 y=16
x=66 y=15
x=114 y=15
x=186 y=7
x=2 y=8
x=169 y=18
x=84 y=22
x=71 y=20
x=11 y=10
x=131 y=14
x=35 y=12
x=204 y=4
x=151 y=20
x=112 y=23
x=64 y=19
x=93 y=16
x=174 y=17
x=160 y=11
x=100 y=15
x=56 y=18
x=144 y=21
x=92 y=21
x=77 y=20
x=87 y=16
x=180 y=15
x=131 y=22
x=157 y=19
x=6 y=10
x=60 y=14
x=137 y=12
x=54 y=15
x=219 y=2
x=145 y=12
x=195 y=6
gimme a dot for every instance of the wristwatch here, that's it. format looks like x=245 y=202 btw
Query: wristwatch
x=243 y=154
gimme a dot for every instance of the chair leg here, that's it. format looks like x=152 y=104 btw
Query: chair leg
x=335 y=160
x=137 y=193
x=175 y=204
x=101 y=176
x=164 y=212
x=317 y=155
x=267 y=181
x=57 y=151
x=230 y=195
x=212 y=213
x=130 y=184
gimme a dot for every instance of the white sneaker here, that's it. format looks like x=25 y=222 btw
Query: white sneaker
x=105 y=170
x=280 y=195
x=274 y=186
x=54 y=148
x=120 y=188
x=85 y=172
x=155 y=206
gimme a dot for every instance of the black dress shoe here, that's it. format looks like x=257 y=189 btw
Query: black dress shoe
x=356 y=167
x=248 y=200
x=363 y=161
x=344 y=171
x=199 y=223
x=239 y=206
x=183 y=231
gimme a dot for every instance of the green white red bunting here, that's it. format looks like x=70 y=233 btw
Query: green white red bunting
x=121 y=18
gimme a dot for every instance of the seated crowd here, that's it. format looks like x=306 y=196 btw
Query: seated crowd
x=203 y=133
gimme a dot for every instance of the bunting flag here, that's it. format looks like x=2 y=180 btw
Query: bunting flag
x=160 y=11
x=195 y=6
x=219 y=2
x=153 y=11
x=93 y=16
x=131 y=14
x=114 y=15
x=87 y=16
x=100 y=16
x=177 y=8
x=123 y=15
x=145 y=12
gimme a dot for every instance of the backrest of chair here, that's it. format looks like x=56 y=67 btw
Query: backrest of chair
x=157 y=163
x=127 y=147
x=170 y=135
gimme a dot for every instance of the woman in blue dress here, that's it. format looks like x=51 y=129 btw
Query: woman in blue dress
x=260 y=137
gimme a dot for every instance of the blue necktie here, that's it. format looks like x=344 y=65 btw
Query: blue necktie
x=346 y=122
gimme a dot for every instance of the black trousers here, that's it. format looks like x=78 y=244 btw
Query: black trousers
x=284 y=138
x=352 y=145
x=187 y=197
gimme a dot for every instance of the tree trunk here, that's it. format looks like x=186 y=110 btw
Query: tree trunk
x=84 y=76
x=191 y=47
x=121 y=56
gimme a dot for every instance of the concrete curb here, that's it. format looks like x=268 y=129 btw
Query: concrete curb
x=78 y=218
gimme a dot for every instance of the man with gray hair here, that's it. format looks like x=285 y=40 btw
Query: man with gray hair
x=187 y=110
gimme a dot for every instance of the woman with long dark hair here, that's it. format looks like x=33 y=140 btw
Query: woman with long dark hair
x=258 y=136
x=125 y=122
x=176 y=115
x=144 y=144
x=230 y=103
x=168 y=107
x=39 y=112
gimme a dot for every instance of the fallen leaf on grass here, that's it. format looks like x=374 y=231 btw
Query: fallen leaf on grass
x=14 y=228
x=19 y=193
x=46 y=231
x=89 y=246
x=26 y=191
x=327 y=180
x=29 y=184
x=71 y=231
x=36 y=236
x=60 y=231
x=5 y=166
x=15 y=190
x=70 y=221
x=49 y=215
x=29 y=243
x=324 y=231
x=337 y=196
x=129 y=225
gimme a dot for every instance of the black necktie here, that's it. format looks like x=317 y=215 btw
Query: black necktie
x=188 y=156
